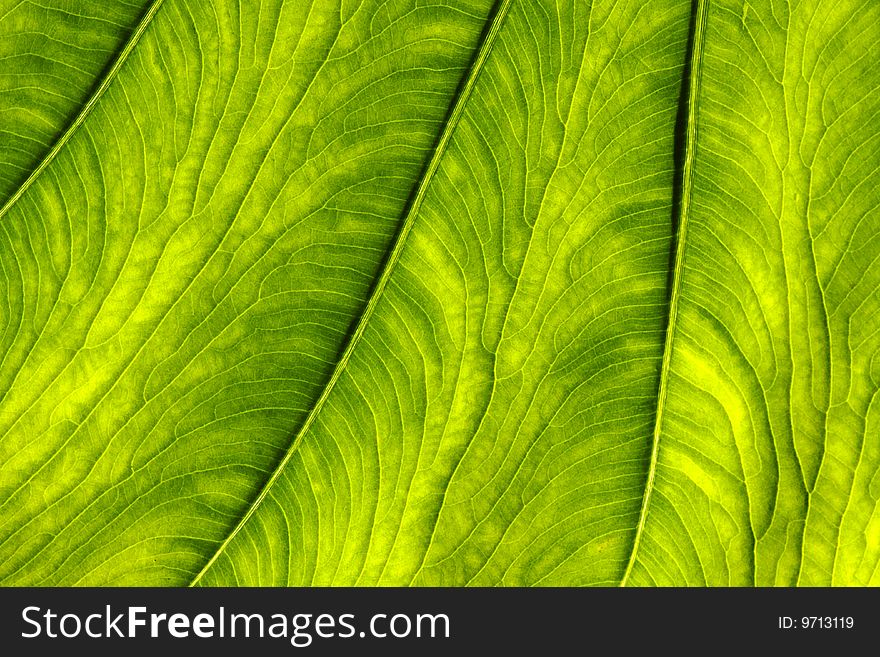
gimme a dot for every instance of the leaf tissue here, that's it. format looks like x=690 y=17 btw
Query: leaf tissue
x=440 y=292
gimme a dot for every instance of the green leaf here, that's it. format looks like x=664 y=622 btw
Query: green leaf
x=178 y=281
x=52 y=55
x=768 y=440
x=527 y=293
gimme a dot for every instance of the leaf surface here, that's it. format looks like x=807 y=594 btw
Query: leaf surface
x=53 y=58
x=180 y=278
x=769 y=446
x=462 y=293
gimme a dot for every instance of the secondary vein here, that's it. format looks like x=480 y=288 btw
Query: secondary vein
x=87 y=108
x=452 y=121
x=696 y=59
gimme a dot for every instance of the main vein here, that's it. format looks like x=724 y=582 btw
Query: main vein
x=452 y=121
x=87 y=108
x=696 y=59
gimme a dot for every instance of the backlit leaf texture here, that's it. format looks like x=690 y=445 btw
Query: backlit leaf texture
x=440 y=292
